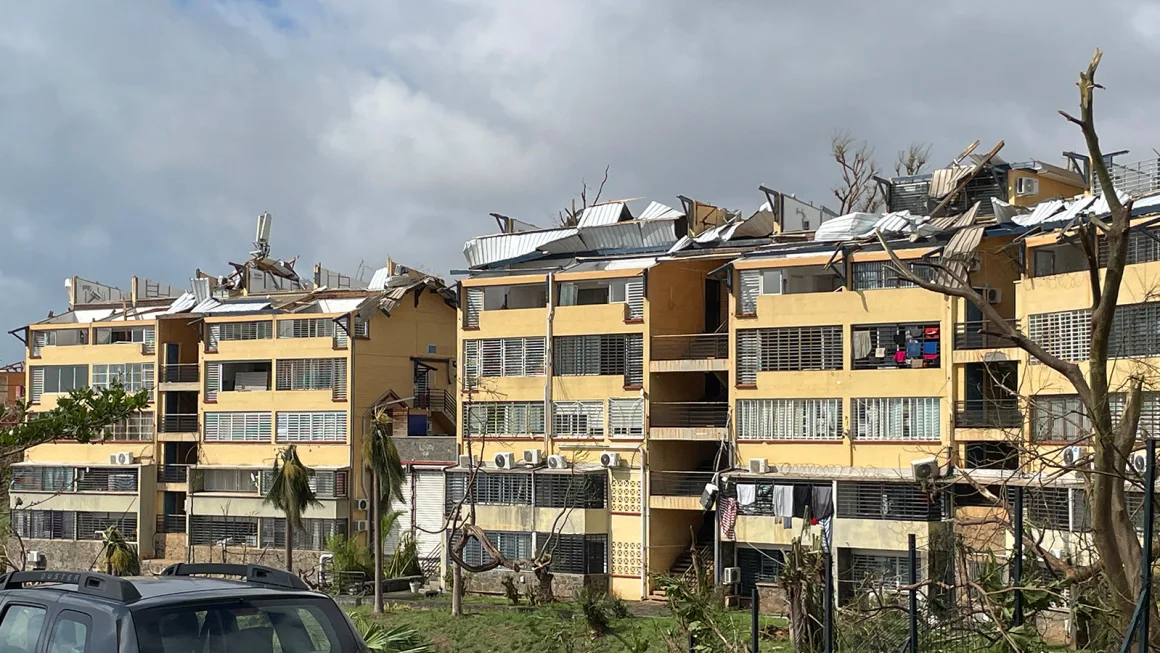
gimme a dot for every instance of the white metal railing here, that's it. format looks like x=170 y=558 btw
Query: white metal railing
x=1134 y=179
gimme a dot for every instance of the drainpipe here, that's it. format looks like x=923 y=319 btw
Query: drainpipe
x=548 y=364
x=643 y=524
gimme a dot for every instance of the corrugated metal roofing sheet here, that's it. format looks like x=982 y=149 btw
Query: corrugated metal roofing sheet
x=630 y=235
x=182 y=304
x=379 y=280
x=345 y=305
x=1042 y=212
x=501 y=247
x=658 y=211
x=602 y=214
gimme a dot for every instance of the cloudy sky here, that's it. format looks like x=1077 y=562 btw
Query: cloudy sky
x=143 y=138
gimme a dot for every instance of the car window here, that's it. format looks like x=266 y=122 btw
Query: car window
x=20 y=628
x=70 y=633
x=278 y=625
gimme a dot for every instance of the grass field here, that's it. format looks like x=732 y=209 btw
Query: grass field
x=491 y=626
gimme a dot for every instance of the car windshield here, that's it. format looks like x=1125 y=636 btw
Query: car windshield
x=278 y=625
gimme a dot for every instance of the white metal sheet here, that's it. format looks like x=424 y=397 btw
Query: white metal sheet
x=429 y=495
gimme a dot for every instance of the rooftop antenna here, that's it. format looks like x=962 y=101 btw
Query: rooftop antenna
x=262 y=238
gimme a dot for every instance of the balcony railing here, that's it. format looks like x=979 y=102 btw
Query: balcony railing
x=172 y=473
x=1134 y=178
x=988 y=414
x=679 y=484
x=170 y=523
x=693 y=414
x=179 y=373
x=980 y=334
x=435 y=400
x=703 y=346
x=178 y=423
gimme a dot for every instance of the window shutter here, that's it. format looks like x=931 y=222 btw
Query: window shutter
x=213 y=380
x=286 y=328
x=750 y=289
x=148 y=340
x=568 y=294
x=470 y=363
x=534 y=351
x=634 y=295
x=492 y=358
x=213 y=335
x=147 y=377
x=340 y=335
x=748 y=357
x=338 y=380
x=472 y=307
x=39 y=341
x=37 y=374
x=513 y=357
x=634 y=363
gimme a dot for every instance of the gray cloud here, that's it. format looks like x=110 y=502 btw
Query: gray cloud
x=144 y=142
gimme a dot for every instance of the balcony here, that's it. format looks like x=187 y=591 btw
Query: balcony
x=172 y=473
x=170 y=523
x=180 y=376
x=704 y=352
x=1135 y=179
x=693 y=420
x=678 y=490
x=981 y=334
x=988 y=414
x=177 y=427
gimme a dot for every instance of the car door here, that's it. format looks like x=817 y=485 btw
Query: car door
x=71 y=632
x=22 y=626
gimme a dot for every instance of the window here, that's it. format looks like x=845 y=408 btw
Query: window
x=626 y=417
x=20 y=628
x=512 y=545
x=118 y=335
x=1059 y=418
x=1134 y=331
x=758 y=565
x=1066 y=334
x=321 y=426
x=894 y=346
x=288 y=624
x=578 y=419
x=257 y=330
x=496 y=357
x=569 y=490
x=605 y=291
x=42 y=479
x=92 y=525
x=70 y=633
x=897 y=418
x=44 y=524
x=137 y=427
x=62 y=378
x=505 y=418
x=789 y=419
x=604 y=355
x=575 y=554
x=875 y=275
x=134 y=376
x=326 y=483
x=1143 y=246
x=57 y=338
x=229 y=480
x=317 y=327
x=1048 y=507
x=496 y=489
x=106 y=479
x=215 y=529
x=787 y=349
x=887 y=501
x=311 y=373
x=882 y=570
x=311 y=537
x=237 y=427
x=362 y=327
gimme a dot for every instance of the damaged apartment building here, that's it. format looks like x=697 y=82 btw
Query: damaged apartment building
x=723 y=382
x=237 y=366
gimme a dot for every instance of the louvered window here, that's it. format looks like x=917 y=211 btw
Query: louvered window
x=1134 y=331
x=626 y=417
x=748 y=357
x=312 y=536
x=750 y=290
x=472 y=307
x=600 y=355
x=505 y=418
x=897 y=418
x=237 y=427
x=92 y=525
x=213 y=380
x=759 y=566
x=634 y=365
x=578 y=419
x=44 y=524
x=43 y=479
x=316 y=426
x=888 y=501
x=571 y=490
x=1065 y=334
x=315 y=327
x=136 y=427
x=800 y=348
x=875 y=275
x=37 y=374
x=217 y=529
x=513 y=546
x=311 y=373
x=1143 y=246
x=574 y=554
x=213 y=335
x=341 y=336
x=491 y=489
x=255 y=330
x=789 y=419
x=1049 y=507
x=498 y=357
x=362 y=327
x=634 y=297
x=134 y=376
x=884 y=570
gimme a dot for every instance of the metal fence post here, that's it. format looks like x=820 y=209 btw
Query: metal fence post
x=828 y=597
x=913 y=607
x=1149 y=529
x=1017 y=563
x=755 y=627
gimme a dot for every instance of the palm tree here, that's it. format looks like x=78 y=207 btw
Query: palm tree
x=120 y=557
x=290 y=492
x=387 y=478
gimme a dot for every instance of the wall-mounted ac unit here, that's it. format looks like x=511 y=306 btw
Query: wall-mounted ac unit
x=121 y=458
x=1140 y=462
x=610 y=459
x=505 y=460
x=360 y=526
x=468 y=462
x=1026 y=186
x=556 y=461
x=1072 y=456
x=925 y=469
x=993 y=295
x=363 y=505
x=533 y=457
x=731 y=576
x=758 y=466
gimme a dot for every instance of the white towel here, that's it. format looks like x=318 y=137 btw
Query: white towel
x=783 y=500
x=746 y=494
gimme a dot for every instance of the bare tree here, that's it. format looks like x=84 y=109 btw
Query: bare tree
x=913 y=159
x=569 y=216
x=857 y=191
x=1117 y=559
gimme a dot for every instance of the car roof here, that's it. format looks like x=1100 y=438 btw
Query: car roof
x=159 y=589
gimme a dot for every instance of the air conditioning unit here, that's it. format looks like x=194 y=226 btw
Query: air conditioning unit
x=360 y=525
x=1140 y=462
x=925 y=469
x=758 y=466
x=122 y=458
x=731 y=576
x=610 y=459
x=1072 y=456
x=556 y=461
x=468 y=462
x=1026 y=186
x=708 y=496
x=505 y=460
x=534 y=457
x=363 y=505
x=993 y=295
x=37 y=559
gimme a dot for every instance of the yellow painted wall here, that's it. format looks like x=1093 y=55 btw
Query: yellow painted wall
x=669 y=536
x=526 y=519
x=179 y=331
x=676 y=296
x=1048 y=189
x=219 y=505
